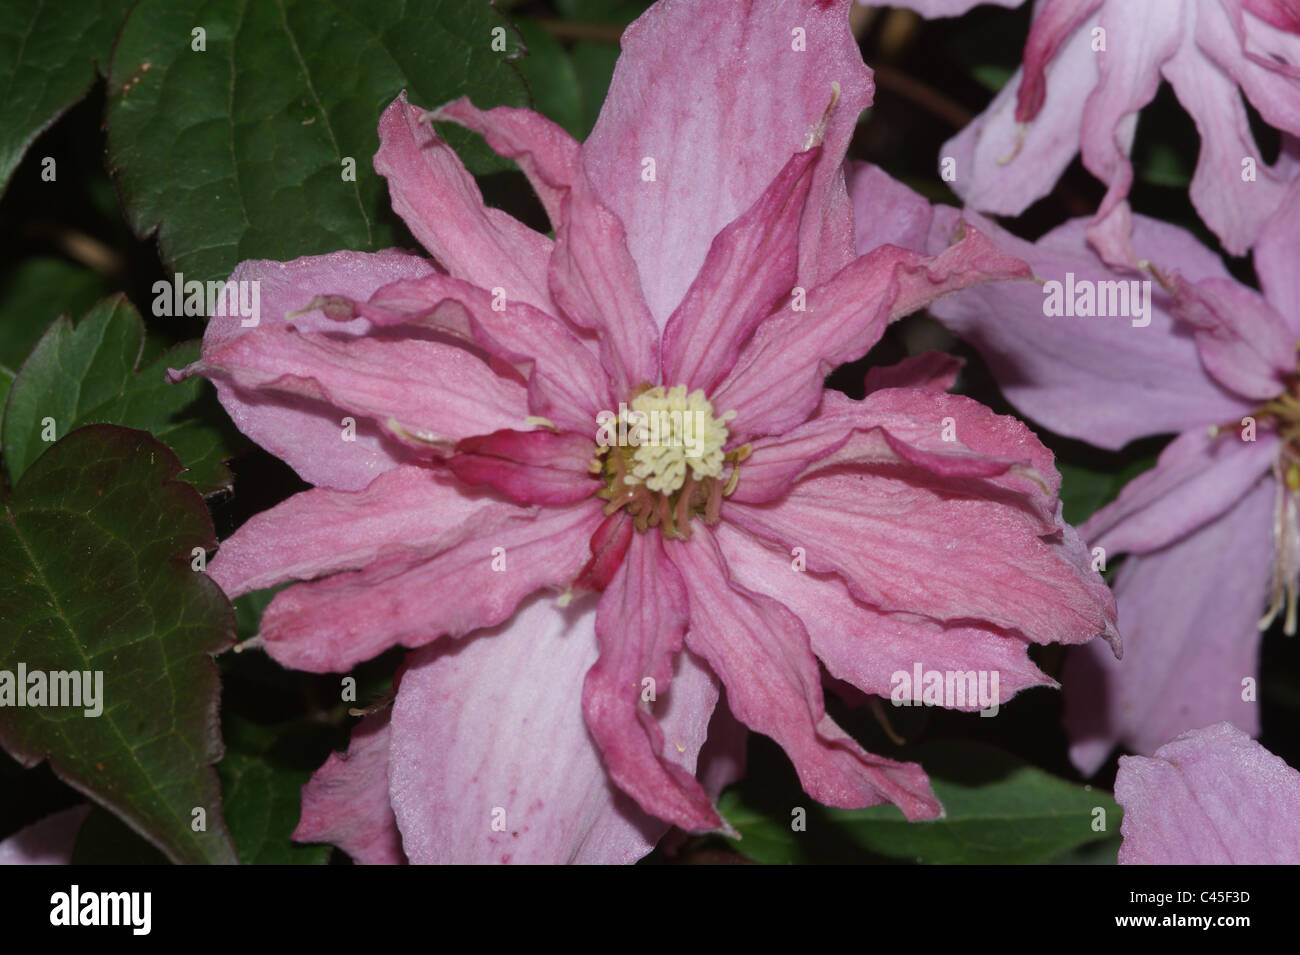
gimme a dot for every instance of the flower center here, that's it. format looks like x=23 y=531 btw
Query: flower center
x=663 y=459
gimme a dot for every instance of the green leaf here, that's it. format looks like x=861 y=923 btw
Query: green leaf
x=263 y=803
x=36 y=292
x=999 y=810
x=48 y=53
x=95 y=549
x=91 y=373
x=238 y=151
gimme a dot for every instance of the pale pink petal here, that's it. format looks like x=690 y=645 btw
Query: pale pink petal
x=1190 y=617
x=881 y=534
x=491 y=731
x=413 y=596
x=48 y=841
x=1054 y=22
x=760 y=650
x=529 y=467
x=886 y=212
x=441 y=204
x=777 y=382
x=430 y=393
x=1004 y=166
x=1083 y=376
x=1260 y=52
x=1196 y=479
x=751 y=268
x=345 y=803
x=640 y=626
x=322 y=531
x=1210 y=797
x=698 y=80
x=1275 y=260
x=1234 y=206
x=305 y=433
x=865 y=647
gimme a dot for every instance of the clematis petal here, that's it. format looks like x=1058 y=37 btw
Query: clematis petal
x=1243 y=342
x=1234 y=207
x=1055 y=21
x=565 y=380
x=345 y=803
x=441 y=204
x=48 y=841
x=1212 y=796
x=322 y=531
x=640 y=624
x=1257 y=44
x=301 y=431
x=1003 y=165
x=751 y=264
x=592 y=277
x=1082 y=377
x=755 y=90
x=413 y=596
x=932 y=370
x=880 y=534
x=529 y=467
x=760 y=650
x=491 y=760
x=865 y=647
x=1195 y=480
x=1275 y=260
x=778 y=379
x=1190 y=614
x=437 y=393
x=885 y=211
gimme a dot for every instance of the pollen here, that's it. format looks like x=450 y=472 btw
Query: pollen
x=677 y=431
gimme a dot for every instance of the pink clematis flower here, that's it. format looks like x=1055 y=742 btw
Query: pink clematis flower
x=1213 y=530
x=1211 y=797
x=1090 y=66
x=577 y=602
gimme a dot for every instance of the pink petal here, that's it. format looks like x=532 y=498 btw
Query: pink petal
x=413 y=596
x=1082 y=377
x=1140 y=38
x=1261 y=53
x=865 y=647
x=565 y=380
x=760 y=650
x=881 y=535
x=640 y=624
x=886 y=212
x=933 y=370
x=1210 y=797
x=932 y=9
x=48 y=841
x=492 y=724
x=529 y=467
x=1004 y=166
x=750 y=268
x=300 y=431
x=592 y=276
x=1196 y=479
x=1275 y=260
x=1054 y=22
x=322 y=531
x=698 y=81
x=1190 y=613
x=435 y=392
x=1243 y=342
x=778 y=380
x=1236 y=209
x=441 y=204
x=346 y=801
